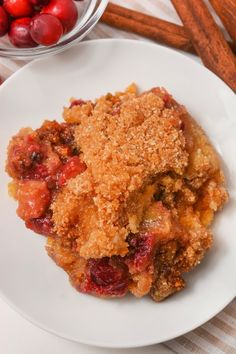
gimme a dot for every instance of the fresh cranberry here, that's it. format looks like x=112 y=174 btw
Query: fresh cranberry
x=42 y=226
x=65 y=11
x=33 y=198
x=38 y=4
x=18 y=8
x=46 y=29
x=73 y=167
x=106 y=277
x=4 y=22
x=141 y=251
x=19 y=33
x=78 y=102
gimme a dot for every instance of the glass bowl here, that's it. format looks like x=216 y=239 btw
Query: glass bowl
x=90 y=12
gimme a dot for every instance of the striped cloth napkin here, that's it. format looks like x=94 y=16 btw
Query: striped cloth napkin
x=219 y=334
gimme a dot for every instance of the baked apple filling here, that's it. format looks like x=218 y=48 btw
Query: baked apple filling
x=125 y=191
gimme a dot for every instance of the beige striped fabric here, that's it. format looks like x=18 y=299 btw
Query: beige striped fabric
x=218 y=335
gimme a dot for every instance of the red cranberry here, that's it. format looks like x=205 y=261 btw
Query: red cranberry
x=21 y=156
x=141 y=251
x=18 y=8
x=106 y=277
x=38 y=172
x=4 y=22
x=19 y=33
x=38 y=4
x=46 y=29
x=65 y=11
x=42 y=226
x=73 y=167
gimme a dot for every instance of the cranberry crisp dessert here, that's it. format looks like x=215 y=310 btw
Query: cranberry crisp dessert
x=125 y=190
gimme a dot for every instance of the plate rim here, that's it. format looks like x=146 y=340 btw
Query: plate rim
x=95 y=342
x=184 y=55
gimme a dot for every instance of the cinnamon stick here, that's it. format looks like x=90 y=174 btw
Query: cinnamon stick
x=147 y=19
x=155 y=28
x=207 y=39
x=226 y=10
x=157 y=33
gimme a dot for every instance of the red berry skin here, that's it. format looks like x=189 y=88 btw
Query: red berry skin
x=18 y=8
x=73 y=167
x=42 y=225
x=105 y=277
x=46 y=29
x=39 y=3
x=65 y=10
x=19 y=33
x=4 y=22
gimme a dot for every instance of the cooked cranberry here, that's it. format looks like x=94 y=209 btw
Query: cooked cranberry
x=33 y=198
x=19 y=33
x=106 y=277
x=42 y=226
x=20 y=155
x=78 y=102
x=46 y=29
x=73 y=167
x=4 y=22
x=18 y=8
x=141 y=251
x=38 y=172
x=103 y=273
x=65 y=11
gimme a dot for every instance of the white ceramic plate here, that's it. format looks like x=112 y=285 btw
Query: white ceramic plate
x=29 y=280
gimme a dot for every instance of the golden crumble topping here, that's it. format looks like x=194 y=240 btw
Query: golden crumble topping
x=123 y=152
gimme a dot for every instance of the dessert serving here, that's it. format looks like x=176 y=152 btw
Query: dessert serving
x=125 y=190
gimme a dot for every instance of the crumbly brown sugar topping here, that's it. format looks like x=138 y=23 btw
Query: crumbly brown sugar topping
x=125 y=145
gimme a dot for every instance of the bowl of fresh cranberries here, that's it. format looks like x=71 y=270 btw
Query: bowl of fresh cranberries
x=33 y=28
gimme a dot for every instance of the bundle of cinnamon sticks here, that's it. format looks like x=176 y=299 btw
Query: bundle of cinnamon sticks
x=199 y=33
